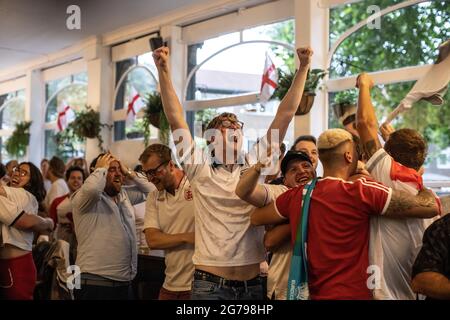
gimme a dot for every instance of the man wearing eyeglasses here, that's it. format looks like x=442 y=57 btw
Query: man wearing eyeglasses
x=228 y=250
x=105 y=229
x=169 y=220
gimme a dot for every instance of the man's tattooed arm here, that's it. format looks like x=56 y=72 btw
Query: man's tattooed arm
x=404 y=205
x=370 y=147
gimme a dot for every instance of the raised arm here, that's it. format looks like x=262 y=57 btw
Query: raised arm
x=156 y=239
x=289 y=104
x=248 y=188
x=403 y=205
x=171 y=103
x=89 y=193
x=366 y=120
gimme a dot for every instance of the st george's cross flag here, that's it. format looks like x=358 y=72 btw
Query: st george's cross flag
x=269 y=81
x=134 y=105
x=65 y=116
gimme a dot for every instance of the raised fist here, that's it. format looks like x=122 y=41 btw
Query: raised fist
x=304 y=55
x=364 y=80
x=161 y=58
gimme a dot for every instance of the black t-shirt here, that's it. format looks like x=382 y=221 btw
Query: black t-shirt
x=435 y=253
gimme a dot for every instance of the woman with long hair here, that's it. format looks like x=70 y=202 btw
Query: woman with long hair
x=22 y=197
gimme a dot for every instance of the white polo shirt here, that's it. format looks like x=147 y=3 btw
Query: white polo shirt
x=224 y=236
x=280 y=264
x=174 y=214
x=395 y=243
x=17 y=201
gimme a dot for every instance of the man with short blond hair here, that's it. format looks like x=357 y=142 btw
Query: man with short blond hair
x=169 y=220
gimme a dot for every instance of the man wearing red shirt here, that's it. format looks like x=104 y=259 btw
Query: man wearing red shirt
x=338 y=227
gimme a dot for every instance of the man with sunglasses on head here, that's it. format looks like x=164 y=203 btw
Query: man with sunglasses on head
x=105 y=229
x=228 y=250
x=169 y=220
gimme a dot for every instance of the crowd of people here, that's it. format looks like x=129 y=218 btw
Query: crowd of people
x=366 y=229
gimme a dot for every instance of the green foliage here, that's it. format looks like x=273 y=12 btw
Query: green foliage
x=17 y=144
x=87 y=125
x=284 y=32
x=346 y=97
x=154 y=115
x=285 y=80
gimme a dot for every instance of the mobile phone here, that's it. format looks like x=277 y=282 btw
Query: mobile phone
x=156 y=42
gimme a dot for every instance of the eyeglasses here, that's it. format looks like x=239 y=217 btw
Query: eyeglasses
x=229 y=124
x=153 y=172
x=20 y=172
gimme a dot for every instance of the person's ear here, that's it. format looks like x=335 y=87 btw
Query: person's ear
x=348 y=157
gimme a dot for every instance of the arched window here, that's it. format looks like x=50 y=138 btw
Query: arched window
x=68 y=91
x=134 y=75
x=12 y=110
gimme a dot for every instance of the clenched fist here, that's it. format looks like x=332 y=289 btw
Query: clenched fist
x=161 y=58
x=364 y=80
x=304 y=55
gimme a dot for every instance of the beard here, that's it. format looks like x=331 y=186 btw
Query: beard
x=111 y=191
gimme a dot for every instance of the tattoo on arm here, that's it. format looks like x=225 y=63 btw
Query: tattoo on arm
x=403 y=203
x=370 y=147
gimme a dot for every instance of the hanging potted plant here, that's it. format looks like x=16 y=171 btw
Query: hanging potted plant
x=87 y=125
x=312 y=82
x=345 y=104
x=17 y=144
x=154 y=115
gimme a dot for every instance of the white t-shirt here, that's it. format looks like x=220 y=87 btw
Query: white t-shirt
x=17 y=201
x=58 y=189
x=174 y=214
x=395 y=243
x=224 y=236
x=280 y=264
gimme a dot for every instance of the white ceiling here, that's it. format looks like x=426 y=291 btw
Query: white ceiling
x=31 y=29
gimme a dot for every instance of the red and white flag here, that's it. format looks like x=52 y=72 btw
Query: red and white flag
x=134 y=105
x=269 y=81
x=65 y=116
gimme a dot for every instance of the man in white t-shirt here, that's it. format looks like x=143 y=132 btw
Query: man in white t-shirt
x=169 y=220
x=394 y=243
x=55 y=174
x=228 y=250
x=297 y=169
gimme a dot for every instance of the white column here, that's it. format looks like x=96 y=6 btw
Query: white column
x=311 y=28
x=172 y=35
x=35 y=112
x=100 y=91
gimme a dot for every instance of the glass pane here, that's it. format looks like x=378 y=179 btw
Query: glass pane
x=51 y=87
x=237 y=70
x=119 y=130
x=407 y=37
x=13 y=112
x=73 y=95
x=139 y=79
x=431 y=121
x=80 y=77
x=211 y=46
